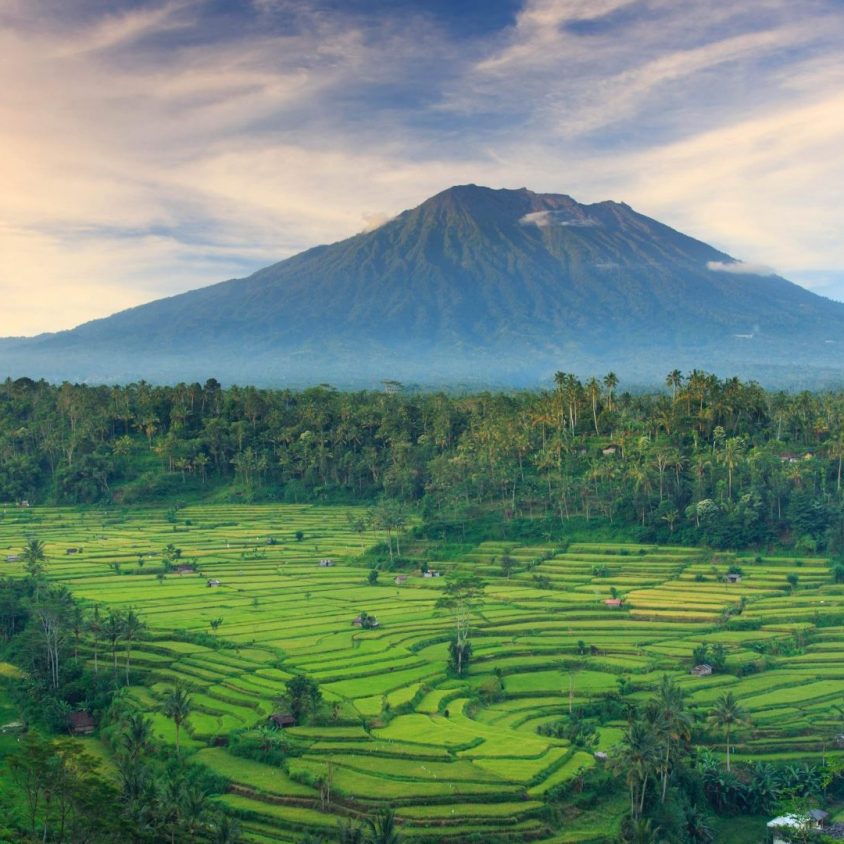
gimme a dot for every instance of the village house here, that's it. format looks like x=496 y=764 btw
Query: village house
x=614 y=602
x=702 y=670
x=733 y=578
x=213 y=582
x=81 y=723
x=430 y=573
x=401 y=579
x=282 y=719
x=814 y=821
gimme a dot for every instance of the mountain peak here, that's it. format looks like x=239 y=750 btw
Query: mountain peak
x=474 y=285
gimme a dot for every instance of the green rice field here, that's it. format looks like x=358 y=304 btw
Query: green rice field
x=397 y=727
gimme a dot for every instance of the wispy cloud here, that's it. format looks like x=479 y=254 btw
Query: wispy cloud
x=740 y=268
x=159 y=146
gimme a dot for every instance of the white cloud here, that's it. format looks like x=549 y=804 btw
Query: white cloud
x=130 y=172
x=739 y=268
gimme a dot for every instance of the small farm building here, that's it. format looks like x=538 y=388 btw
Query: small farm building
x=401 y=578
x=614 y=602
x=185 y=569
x=702 y=670
x=733 y=578
x=610 y=449
x=601 y=756
x=430 y=573
x=326 y=563
x=282 y=719
x=81 y=723
x=213 y=582
x=13 y=558
x=781 y=826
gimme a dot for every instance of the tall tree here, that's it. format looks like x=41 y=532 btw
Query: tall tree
x=727 y=714
x=177 y=706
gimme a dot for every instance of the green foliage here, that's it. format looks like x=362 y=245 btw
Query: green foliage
x=303 y=696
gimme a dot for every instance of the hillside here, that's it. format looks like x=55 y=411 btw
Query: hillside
x=473 y=286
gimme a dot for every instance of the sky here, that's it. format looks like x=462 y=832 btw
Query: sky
x=147 y=148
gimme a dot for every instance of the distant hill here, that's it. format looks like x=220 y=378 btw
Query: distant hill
x=474 y=287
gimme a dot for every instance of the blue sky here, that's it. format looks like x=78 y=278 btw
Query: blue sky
x=152 y=147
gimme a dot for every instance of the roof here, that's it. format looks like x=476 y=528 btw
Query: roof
x=81 y=722
x=282 y=719
x=791 y=821
x=818 y=814
x=614 y=602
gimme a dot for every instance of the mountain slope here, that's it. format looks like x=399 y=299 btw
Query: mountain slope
x=490 y=286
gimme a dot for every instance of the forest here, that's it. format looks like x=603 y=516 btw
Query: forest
x=723 y=463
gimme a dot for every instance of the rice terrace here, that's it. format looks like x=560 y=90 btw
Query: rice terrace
x=237 y=600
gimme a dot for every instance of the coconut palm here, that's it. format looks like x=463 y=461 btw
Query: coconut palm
x=34 y=558
x=177 y=706
x=726 y=715
x=382 y=829
x=133 y=627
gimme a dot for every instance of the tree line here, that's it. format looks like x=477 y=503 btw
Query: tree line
x=722 y=462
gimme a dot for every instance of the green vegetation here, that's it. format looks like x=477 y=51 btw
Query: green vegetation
x=331 y=604
x=383 y=714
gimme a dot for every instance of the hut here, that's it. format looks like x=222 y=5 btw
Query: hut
x=614 y=602
x=13 y=558
x=733 y=577
x=213 y=582
x=326 y=563
x=281 y=719
x=785 y=827
x=185 y=569
x=430 y=573
x=702 y=670
x=601 y=756
x=400 y=579
x=81 y=723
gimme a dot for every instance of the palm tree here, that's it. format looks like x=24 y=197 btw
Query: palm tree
x=382 y=828
x=177 y=707
x=95 y=628
x=638 y=760
x=133 y=627
x=136 y=734
x=227 y=831
x=698 y=830
x=672 y=723
x=610 y=382
x=727 y=714
x=113 y=630
x=674 y=379
x=34 y=558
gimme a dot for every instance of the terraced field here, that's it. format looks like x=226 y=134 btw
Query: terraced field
x=397 y=727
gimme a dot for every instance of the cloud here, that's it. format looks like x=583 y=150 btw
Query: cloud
x=739 y=268
x=375 y=220
x=545 y=219
x=166 y=145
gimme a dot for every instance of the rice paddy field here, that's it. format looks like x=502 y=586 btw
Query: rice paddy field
x=397 y=727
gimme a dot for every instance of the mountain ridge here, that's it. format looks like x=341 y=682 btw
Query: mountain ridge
x=473 y=283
